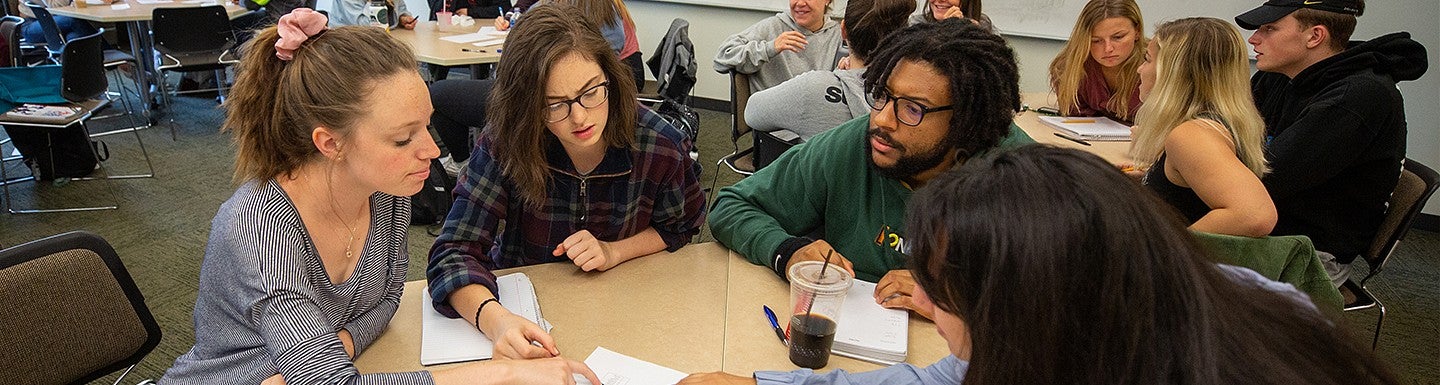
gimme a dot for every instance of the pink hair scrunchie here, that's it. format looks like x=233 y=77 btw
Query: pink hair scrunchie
x=296 y=27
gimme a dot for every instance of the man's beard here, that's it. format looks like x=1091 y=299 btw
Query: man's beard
x=907 y=165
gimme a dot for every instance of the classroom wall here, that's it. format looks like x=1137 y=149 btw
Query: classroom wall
x=710 y=25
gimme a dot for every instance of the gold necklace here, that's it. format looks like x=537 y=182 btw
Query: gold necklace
x=334 y=210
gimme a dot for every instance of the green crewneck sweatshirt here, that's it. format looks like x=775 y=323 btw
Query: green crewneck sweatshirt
x=824 y=188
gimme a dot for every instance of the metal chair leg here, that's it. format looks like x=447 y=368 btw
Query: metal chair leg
x=1379 y=321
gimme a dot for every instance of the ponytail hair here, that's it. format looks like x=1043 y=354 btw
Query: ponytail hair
x=276 y=104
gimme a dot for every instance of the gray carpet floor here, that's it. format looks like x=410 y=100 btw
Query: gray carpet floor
x=162 y=223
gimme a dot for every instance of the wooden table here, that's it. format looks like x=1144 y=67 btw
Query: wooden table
x=137 y=19
x=1114 y=152
x=425 y=41
x=695 y=310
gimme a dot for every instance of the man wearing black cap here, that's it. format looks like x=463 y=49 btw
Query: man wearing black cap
x=1335 y=123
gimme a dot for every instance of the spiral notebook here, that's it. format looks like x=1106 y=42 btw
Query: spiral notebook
x=1089 y=128
x=444 y=340
x=870 y=332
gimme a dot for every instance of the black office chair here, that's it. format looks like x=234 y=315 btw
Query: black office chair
x=83 y=83
x=195 y=39
x=70 y=312
x=1416 y=185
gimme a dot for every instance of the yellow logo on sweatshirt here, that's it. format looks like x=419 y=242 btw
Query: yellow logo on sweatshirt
x=891 y=240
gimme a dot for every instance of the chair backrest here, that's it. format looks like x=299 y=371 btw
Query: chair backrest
x=674 y=63
x=70 y=313
x=192 y=29
x=82 y=69
x=54 y=40
x=1290 y=259
x=10 y=41
x=1417 y=183
x=739 y=98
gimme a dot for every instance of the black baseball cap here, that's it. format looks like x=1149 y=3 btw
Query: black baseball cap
x=1276 y=9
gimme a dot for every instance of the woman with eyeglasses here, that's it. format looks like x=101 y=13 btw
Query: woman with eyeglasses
x=574 y=171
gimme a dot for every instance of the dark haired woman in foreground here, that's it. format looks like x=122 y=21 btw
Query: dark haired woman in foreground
x=1038 y=275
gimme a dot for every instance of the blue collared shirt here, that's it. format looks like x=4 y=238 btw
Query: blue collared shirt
x=947 y=371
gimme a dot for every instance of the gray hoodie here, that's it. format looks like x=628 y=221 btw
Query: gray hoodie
x=752 y=51
x=810 y=103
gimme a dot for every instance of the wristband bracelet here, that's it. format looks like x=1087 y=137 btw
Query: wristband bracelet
x=482 y=308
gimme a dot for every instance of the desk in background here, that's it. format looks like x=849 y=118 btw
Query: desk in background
x=1113 y=152
x=137 y=20
x=695 y=310
x=425 y=41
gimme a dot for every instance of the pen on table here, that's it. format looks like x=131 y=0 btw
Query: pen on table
x=774 y=324
x=1072 y=139
x=1078 y=121
x=474 y=50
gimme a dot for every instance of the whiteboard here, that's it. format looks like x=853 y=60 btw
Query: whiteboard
x=837 y=7
x=1053 y=19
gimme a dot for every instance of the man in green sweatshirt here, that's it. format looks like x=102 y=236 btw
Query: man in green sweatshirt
x=940 y=93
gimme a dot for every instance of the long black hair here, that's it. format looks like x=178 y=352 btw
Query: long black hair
x=1066 y=271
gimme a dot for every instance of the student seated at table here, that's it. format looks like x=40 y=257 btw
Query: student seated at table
x=1094 y=75
x=1334 y=121
x=460 y=103
x=783 y=46
x=352 y=12
x=574 y=171
x=306 y=262
x=817 y=101
x=845 y=189
x=952 y=9
x=70 y=27
x=1037 y=274
x=1199 y=133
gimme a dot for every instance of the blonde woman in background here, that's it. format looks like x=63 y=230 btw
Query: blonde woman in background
x=1199 y=133
x=1095 y=74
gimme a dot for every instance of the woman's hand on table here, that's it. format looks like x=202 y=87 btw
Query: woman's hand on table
x=553 y=370
x=408 y=22
x=515 y=337
x=587 y=252
x=716 y=378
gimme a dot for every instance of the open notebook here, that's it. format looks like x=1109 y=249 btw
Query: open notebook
x=870 y=332
x=1089 y=128
x=445 y=340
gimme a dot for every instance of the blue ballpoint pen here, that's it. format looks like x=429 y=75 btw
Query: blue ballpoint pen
x=775 y=324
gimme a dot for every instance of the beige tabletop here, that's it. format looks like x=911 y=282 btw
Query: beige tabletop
x=695 y=310
x=425 y=41
x=136 y=12
x=1114 y=152
x=751 y=345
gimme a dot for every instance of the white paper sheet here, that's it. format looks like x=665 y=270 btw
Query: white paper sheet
x=490 y=42
x=154 y=1
x=120 y=7
x=868 y=331
x=618 y=369
x=466 y=38
x=493 y=32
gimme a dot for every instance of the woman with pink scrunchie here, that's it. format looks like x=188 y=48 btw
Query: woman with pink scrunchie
x=306 y=262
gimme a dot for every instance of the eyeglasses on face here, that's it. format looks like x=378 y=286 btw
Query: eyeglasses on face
x=590 y=98
x=907 y=111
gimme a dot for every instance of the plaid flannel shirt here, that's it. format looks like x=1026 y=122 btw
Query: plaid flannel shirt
x=655 y=184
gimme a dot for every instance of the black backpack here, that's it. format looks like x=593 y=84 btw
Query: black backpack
x=431 y=205
x=64 y=153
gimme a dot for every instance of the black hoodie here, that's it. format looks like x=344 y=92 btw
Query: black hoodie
x=1335 y=139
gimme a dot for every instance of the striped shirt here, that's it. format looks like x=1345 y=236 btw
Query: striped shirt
x=654 y=184
x=266 y=305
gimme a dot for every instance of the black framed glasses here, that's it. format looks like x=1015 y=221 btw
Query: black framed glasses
x=590 y=98
x=907 y=111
